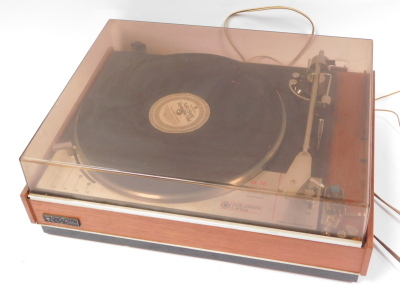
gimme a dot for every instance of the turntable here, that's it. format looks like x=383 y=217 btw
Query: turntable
x=162 y=139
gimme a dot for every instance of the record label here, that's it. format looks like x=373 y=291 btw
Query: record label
x=179 y=113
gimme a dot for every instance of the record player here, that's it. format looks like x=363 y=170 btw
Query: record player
x=164 y=140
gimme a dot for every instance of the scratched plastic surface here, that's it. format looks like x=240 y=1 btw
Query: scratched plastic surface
x=187 y=127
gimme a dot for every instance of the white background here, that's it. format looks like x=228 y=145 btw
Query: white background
x=41 y=45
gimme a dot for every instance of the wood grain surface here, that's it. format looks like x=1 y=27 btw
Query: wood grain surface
x=224 y=240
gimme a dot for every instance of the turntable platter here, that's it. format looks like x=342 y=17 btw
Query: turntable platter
x=189 y=116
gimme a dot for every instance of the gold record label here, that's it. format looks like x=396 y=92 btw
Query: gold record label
x=179 y=113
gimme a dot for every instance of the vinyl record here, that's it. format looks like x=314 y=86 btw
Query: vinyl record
x=194 y=117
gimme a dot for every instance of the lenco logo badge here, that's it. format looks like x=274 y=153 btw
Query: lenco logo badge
x=61 y=220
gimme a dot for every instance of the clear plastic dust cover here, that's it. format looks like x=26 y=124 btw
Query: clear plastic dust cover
x=171 y=119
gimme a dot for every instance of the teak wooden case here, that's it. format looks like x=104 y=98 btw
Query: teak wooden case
x=301 y=256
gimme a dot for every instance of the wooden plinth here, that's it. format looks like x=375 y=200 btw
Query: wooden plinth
x=209 y=238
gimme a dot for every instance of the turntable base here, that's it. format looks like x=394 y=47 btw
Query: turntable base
x=295 y=255
x=261 y=263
